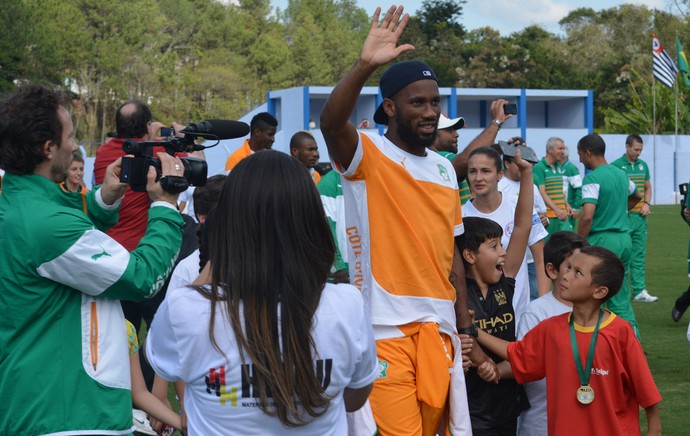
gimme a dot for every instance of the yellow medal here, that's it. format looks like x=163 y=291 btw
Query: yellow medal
x=585 y=394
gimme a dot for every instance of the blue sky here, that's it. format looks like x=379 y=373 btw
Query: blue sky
x=509 y=16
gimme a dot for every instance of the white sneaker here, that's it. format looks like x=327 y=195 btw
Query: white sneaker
x=645 y=297
x=141 y=422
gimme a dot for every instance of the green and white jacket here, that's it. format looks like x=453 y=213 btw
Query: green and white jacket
x=64 y=364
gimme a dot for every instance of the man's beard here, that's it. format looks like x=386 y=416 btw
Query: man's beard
x=406 y=134
x=58 y=174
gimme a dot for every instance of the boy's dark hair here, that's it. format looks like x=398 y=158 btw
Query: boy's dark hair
x=609 y=272
x=594 y=143
x=477 y=230
x=207 y=196
x=262 y=121
x=77 y=157
x=561 y=245
x=491 y=153
x=133 y=124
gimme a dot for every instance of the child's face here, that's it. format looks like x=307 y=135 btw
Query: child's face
x=576 y=280
x=562 y=269
x=489 y=260
x=76 y=172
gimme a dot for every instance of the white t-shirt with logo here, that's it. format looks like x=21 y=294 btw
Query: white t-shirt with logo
x=511 y=189
x=533 y=421
x=219 y=400
x=504 y=216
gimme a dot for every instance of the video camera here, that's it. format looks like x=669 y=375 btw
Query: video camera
x=135 y=169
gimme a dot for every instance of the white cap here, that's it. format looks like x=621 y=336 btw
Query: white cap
x=446 y=123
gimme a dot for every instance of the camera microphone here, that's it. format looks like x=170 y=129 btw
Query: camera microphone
x=217 y=129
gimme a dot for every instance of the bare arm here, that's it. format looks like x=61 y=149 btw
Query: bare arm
x=523 y=219
x=586 y=218
x=355 y=398
x=145 y=400
x=486 y=138
x=537 y=250
x=496 y=345
x=379 y=48
x=653 y=420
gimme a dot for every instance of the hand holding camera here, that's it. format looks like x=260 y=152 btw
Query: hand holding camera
x=171 y=172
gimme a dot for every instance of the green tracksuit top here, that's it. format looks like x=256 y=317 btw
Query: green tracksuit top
x=64 y=363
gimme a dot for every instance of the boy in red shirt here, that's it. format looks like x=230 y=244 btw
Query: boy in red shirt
x=596 y=372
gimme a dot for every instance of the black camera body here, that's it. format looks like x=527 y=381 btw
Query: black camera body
x=135 y=169
x=527 y=153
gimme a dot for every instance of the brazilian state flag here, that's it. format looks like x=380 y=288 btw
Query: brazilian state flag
x=682 y=63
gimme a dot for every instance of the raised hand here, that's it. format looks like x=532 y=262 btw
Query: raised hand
x=381 y=47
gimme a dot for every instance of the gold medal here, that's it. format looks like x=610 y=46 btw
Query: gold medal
x=585 y=394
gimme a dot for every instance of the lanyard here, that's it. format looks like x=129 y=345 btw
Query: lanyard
x=584 y=373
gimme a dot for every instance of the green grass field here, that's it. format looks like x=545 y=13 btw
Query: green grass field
x=664 y=341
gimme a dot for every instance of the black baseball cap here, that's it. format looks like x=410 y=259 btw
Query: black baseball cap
x=396 y=78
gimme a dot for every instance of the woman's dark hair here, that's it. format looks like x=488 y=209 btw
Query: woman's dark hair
x=491 y=153
x=28 y=118
x=271 y=251
x=203 y=236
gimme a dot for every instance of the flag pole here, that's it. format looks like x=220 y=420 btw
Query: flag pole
x=675 y=152
x=654 y=132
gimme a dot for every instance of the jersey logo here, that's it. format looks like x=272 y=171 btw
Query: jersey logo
x=97 y=256
x=640 y=167
x=383 y=369
x=443 y=172
x=501 y=298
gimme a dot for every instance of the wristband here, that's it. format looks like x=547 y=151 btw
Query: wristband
x=471 y=330
x=498 y=124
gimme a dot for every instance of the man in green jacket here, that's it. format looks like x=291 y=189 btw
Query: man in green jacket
x=64 y=364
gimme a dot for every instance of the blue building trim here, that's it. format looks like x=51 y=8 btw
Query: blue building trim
x=453 y=103
x=379 y=100
x=546 y=114
x=270 y=105
x=589 y=111
x=482 y=114
x=306 y=107
x=522 y=113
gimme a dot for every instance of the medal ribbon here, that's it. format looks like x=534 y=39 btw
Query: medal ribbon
x=584 y=373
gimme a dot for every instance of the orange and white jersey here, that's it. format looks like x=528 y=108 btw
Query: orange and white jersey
x=402 y=213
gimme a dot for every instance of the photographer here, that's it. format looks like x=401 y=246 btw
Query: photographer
x=63 y=343
x=132 y=120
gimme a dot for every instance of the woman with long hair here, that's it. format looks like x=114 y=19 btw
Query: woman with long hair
x=267 y=347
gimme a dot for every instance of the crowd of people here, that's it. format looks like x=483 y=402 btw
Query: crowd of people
x=415 y=289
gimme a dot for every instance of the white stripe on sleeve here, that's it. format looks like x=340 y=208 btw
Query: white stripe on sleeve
x=91 y=265
x=590 y=191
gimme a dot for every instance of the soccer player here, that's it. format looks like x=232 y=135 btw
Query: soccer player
x=403 y=213
x=607 y=194
x=638 y=172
